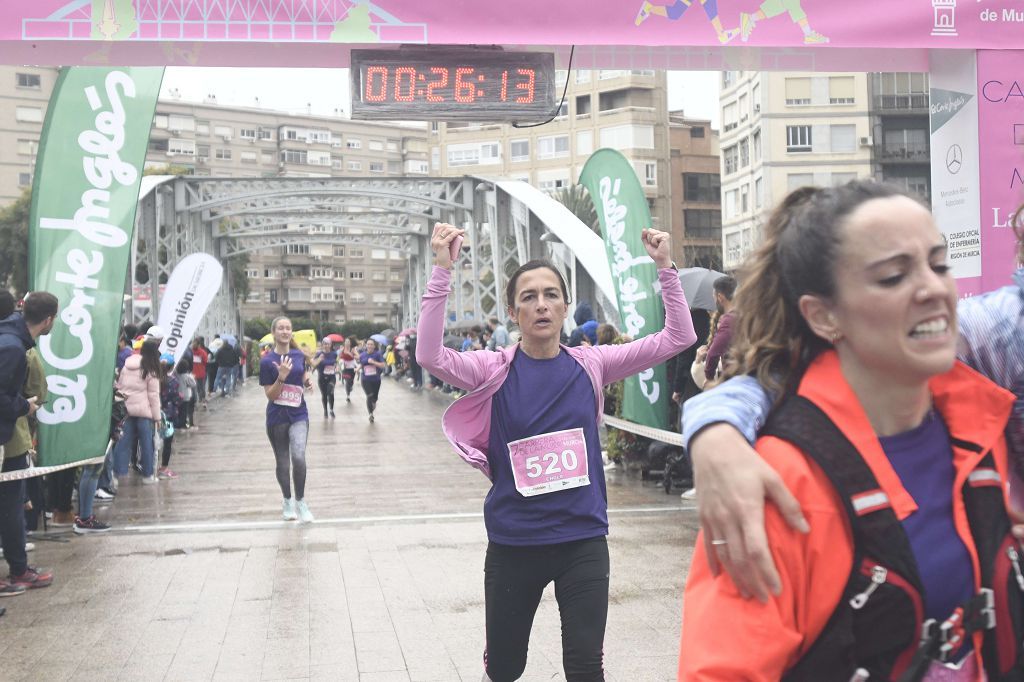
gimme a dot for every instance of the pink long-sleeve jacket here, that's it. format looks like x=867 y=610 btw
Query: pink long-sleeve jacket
x=467 y=422
x=141 y=396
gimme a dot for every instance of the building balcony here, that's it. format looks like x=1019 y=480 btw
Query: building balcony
x=902 y=153
x=298 y=259
x=902 y=104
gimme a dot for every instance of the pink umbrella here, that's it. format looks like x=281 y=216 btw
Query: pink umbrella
x=406 y=332
x=335 y=338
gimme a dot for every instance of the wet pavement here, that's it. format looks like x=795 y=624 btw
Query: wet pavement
x=202 y=580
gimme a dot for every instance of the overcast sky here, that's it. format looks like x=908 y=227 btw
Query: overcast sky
x=325 y=90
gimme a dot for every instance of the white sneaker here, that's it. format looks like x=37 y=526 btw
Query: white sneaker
x=29 y=546
x=288 y=510
x=102 y=494
x=149 y=480
x=690 y=494
x=305 y=515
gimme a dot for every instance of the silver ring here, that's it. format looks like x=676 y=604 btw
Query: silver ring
x=719 y=543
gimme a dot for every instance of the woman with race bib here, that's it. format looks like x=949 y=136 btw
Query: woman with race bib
x=348 y=367
x=372 y=365
x=530 y=424
x=326 y=363
x=283 y=375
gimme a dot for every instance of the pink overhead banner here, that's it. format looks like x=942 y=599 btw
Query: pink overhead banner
x=205 y=31
x=1001 y=149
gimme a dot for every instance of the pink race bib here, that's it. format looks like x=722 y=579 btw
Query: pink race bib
x=369 y=370
x=290 y=396
x=966 y=672
x=550 y=462
x=197 y=359
x=328 y=370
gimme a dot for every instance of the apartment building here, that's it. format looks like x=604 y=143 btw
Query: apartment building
x=331 y=283
x=781 y=131
x=900 y=132
x=695 y=192
x=24 y=95
x=624 y=110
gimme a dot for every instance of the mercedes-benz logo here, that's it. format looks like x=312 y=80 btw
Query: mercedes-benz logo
x=954 y=159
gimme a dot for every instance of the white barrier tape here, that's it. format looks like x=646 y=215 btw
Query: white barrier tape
x=670 y=437
x=32 y=472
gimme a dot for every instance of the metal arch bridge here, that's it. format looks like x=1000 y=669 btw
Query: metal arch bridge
x=506 y=223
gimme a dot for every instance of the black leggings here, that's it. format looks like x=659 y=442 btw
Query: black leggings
x=372 y=390
x=165 y=454
x=514 y=580
x=327 y=392
x=348 y=377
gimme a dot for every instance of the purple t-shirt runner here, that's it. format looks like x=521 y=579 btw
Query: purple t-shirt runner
x=545 y=456
x=290 y=406
x=370 y=372
x=923 y=459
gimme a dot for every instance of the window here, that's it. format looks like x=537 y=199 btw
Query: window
x=758 y=192
x=729 y=121
x=729 y=78
x=745 y=198
x=380 y=298
x=490 y=152
x=396 y=297
x=355 y=275
x=651 y=174
x=202 y=127
x=160 y=121
x=697 y=131
x=322 y=294
x=376 y=166
x=353 y=143
x=293 y=156
x=271 y=295
x=730 y=159
x=356 y=253
x=263 y=134
x=731 y=197
x=552 y=146
x=181 y=147
x=798 y=138
x=378 y=276
x=744 y=152
x=29 y=80
x=27 y=147
x=414 y=167
x=519 y=150
x=376 y=146
x=24 y=179
x=628 y=137
x=223 y=131
x=223 y=154
x=906 y=143
x=252 y=273
x=355 y=165
x=840 y=90
x=271 y=273
x=28 y=114
x=358 y=297
x=318 y=158
x=321 y=273
x=755 y=142
x=266 y=157
x=584 y=142
x=339 y=295
x=843 y=139
x=552 y=185
x=378 y=254
x=396 y=276
x=798 y=180
x=253 y=296
x=247 y=133
x=702 y=223
x=798 y=92
x=435 y=158
x=297 y=250
x=744 y=108
x=179 y=123
x=339 y=251
x=902 y=91
x=464 y=154
x=583 y=105
x=583 y=76
x=705 y=187
x=299 y=294
x=392 y=146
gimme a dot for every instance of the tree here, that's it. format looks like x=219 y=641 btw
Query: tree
x=577 y=199
x=237 y=266
x=14 y=243
x=257 y=328
x=361 y=329
x=167 y=169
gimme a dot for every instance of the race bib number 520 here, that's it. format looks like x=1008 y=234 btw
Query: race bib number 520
x=549 y=462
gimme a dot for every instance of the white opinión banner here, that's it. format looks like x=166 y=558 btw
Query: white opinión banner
x=956 y=192
x=190 y=290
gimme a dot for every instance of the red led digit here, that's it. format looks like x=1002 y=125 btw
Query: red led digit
x=504 y=85
x=441 y=83
x=528 y=86
x=408 y=73
x=464 y=89
x=375 y=73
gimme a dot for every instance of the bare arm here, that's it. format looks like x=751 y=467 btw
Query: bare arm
x=283 y=369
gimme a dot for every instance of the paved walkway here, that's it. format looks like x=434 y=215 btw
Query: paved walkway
x=202 y=581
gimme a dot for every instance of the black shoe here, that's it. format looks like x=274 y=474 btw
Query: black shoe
x=371 y=417
x=332 y=414
x=325 y=414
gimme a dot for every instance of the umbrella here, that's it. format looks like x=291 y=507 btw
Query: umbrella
x=229 y=338
x=335 y=338
x=389 y=333
x=406 y=332
x=698 y=287
x=380 y=339
x=453 y=341
x=267 y=340
x=465 y=325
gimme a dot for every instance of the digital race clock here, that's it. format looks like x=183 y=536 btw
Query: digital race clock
x=453 y=83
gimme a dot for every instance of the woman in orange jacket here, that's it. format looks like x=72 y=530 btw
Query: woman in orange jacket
x=894 y=451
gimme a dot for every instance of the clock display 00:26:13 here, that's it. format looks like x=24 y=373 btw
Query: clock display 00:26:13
x=408 y=84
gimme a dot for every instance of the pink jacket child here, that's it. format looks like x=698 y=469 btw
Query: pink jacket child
x=142 y=396
x=467 y=422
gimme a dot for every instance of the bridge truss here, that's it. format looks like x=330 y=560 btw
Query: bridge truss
x=227 y=217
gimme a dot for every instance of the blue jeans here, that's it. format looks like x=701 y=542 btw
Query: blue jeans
x=225 y=380
x=87 y=489
x=12 y=516
x=140 y=429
